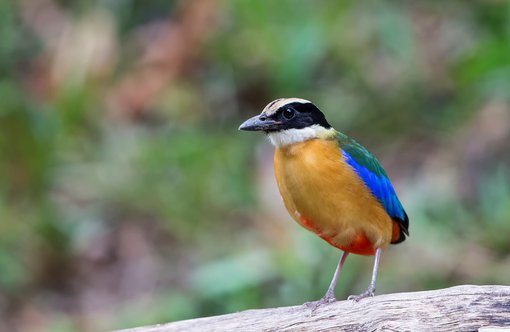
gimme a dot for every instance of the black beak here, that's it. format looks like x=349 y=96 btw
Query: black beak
x=260 y=123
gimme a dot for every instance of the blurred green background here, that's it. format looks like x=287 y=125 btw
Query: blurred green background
x=128 y=196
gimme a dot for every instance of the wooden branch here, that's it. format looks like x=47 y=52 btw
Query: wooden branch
x=461 y=308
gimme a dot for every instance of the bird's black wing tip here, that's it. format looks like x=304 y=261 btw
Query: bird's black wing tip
x=404 y=228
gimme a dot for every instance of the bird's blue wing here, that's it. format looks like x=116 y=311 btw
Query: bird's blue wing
x=373 y=175
x=379 y=185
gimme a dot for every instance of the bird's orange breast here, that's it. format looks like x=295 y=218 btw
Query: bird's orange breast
x=323 y=194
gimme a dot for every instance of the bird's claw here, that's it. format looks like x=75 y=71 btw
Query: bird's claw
x=327 y=299
x=357 y=298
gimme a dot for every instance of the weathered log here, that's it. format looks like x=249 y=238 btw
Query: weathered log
x=461 y=308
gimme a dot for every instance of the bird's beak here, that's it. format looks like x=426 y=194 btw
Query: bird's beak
x=259 y=123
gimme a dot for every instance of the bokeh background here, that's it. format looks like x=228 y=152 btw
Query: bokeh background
x=128 y=196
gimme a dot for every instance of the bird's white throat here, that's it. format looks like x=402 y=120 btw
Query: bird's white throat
x=291 y=136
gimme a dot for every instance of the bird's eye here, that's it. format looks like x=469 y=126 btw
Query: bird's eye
x=288 y=113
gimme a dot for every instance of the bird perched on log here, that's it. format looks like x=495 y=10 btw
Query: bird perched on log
x=331 y=185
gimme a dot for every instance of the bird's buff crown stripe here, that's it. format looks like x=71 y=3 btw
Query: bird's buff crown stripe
x=275 y=105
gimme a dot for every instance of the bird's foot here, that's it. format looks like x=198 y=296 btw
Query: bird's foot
x=368 y=293
x=326 y=299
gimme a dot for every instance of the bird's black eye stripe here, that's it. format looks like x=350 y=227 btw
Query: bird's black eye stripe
x=288 y=113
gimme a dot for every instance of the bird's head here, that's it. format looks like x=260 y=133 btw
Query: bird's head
x=290 y=120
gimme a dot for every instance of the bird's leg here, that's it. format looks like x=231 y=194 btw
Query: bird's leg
x=330 y=293
x=371 y=288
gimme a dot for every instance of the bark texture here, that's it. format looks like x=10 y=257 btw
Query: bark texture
x=461 y=308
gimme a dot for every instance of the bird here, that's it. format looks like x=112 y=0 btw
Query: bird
x=331 y=185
